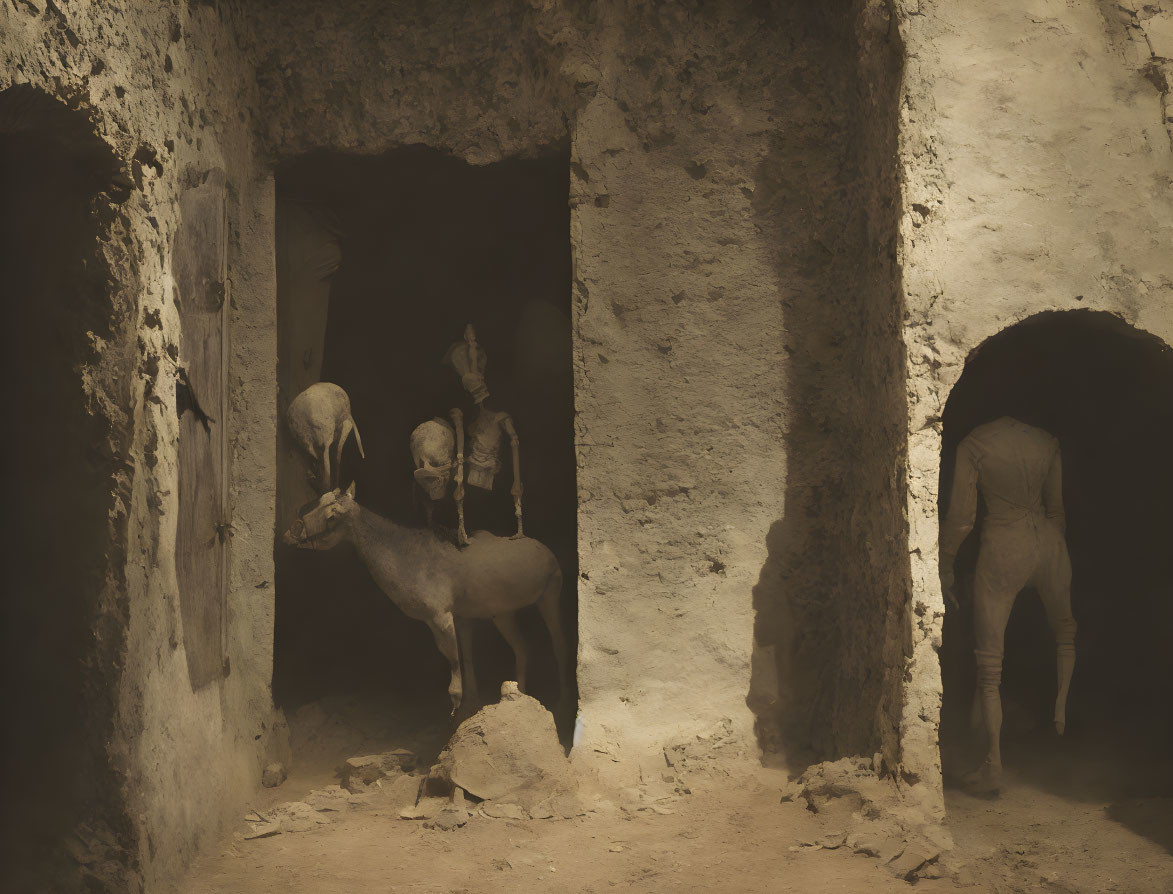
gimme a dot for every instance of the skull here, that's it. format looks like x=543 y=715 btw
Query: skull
x=433 y=447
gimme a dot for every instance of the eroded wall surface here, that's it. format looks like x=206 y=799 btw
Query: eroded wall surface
x=733 y=231
x=168 y=86
x=1036 y=156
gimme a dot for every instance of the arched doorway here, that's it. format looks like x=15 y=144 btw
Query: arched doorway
x=57 y=467
x=1105 y=390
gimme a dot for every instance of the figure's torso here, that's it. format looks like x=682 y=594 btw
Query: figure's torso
x=1013 y=461
x=482 y=455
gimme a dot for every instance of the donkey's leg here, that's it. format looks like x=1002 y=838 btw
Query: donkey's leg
x=444 y=630
x=464 y=635
x=549 y=604
x=511 y=630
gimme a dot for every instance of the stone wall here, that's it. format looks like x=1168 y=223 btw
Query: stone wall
x=169 y=88
x=1036 y=163
x=733 y=231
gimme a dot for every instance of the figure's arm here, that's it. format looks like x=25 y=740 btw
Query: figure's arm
x=516 y=490
x=962 y=502
x=1053 y=492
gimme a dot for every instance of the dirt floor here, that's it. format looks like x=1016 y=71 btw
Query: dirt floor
x=731 y=834
x=1075 y=816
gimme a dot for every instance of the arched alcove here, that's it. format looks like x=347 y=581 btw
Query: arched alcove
x=1105 y=390
x=57 y=469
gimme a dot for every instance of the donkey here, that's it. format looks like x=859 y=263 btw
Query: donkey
x=433 y=581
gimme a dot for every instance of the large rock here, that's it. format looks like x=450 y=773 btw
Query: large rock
x=509 y=751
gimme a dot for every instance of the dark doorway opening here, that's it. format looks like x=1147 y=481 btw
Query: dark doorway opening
x=1105 y=390
x=381 y=263
x=57 y=483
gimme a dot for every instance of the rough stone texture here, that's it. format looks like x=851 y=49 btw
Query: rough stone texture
x=273 y=775
x=742 y=423
x=1036 y=168
x=716 y=263
x=169 y=88
x=505 y=749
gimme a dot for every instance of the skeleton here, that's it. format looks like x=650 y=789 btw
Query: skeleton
x=1018 y=469
x=435 y=582
x=319 y=420
x=437 y=446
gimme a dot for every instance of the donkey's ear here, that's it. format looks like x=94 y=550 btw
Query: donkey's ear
x=350 y=491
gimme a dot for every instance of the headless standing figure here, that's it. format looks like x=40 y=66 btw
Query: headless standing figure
x=1018 y=470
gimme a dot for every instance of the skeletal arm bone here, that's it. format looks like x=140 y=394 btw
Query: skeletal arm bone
x=516 y=490
x=458 y=492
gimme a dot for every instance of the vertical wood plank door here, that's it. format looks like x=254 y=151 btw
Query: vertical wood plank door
x=199 y=266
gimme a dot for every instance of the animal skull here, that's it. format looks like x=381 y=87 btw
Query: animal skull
x=318 y=527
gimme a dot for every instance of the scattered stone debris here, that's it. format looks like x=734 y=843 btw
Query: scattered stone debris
x=854 y=793
x=359 y=773
x=295 y=816
x=273 y=775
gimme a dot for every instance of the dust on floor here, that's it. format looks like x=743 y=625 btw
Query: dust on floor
x=1077 y=818
x=737 y=838
x=1059 y=827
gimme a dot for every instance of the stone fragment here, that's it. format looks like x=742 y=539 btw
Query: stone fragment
x=273 y=775
x=914 y=856
x=359 y=772
x=1159 y=31
x=426 y=808
x=833 y=840
x=504 y=810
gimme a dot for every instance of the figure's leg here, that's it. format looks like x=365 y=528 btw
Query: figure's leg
x=444 y=630
x=464 y=635
x=461 y=532
x=549 y=604
x=458 y=475
x=993 y=598
x=1054 y=585
x=511 y=630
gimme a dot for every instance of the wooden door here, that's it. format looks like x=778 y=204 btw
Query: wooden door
x=199 y=267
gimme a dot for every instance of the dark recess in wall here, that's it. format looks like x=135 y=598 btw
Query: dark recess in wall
x=1105 y=390
x=55 y=656
x=428 y=244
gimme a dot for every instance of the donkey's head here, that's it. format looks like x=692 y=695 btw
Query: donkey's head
x=320 y=525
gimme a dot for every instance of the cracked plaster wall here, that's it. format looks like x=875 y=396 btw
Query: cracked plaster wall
x=1037 y=176
x=169 y=87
